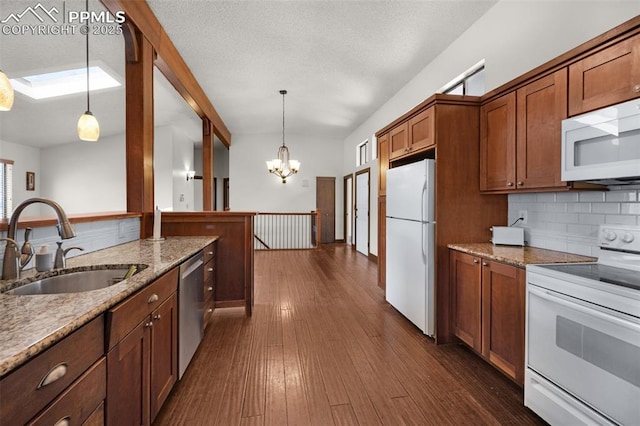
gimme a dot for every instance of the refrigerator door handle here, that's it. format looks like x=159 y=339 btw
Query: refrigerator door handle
x=422 y=200
x=422 y=241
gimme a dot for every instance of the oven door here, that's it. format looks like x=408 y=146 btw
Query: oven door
x=586 y=350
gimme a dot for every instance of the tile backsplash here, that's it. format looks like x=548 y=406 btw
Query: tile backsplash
x=91 y=236
x=568 y=221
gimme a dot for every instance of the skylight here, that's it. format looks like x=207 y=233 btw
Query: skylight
x=50 y=85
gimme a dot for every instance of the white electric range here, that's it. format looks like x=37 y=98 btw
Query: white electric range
x=583 y=335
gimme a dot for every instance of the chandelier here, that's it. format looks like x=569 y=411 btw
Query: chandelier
x=283 y=166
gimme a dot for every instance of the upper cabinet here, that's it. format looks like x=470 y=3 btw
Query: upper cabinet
x=383 y=163
x=413 y=136
x=607 y=77
x=520 y=136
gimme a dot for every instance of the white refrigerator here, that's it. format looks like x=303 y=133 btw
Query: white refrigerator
x=410 y=242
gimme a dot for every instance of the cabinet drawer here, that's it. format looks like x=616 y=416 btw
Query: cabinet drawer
x=26 y=391
x=124 y=317
x=79 y=401
x=209 y=252
x=209 y=288
x=208 y=311
x=209 y=271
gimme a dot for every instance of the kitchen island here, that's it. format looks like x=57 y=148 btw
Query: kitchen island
x=31 y=324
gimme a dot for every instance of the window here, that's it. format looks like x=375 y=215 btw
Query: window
x=469 y=83
x=6 y=198
x=361 y=153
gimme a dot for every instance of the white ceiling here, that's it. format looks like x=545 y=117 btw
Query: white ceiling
x=339 y=60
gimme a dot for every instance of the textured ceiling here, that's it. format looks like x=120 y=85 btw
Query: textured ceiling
x=339 y=60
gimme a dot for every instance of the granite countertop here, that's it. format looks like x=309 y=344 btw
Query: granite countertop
x=30 y=324
x=519 y=256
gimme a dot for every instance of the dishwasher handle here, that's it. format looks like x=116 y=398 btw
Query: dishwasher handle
x=190 y=267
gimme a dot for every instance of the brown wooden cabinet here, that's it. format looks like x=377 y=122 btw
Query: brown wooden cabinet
x=68 y=379
x=422 y=130
x=398 y=140
x=143 y=364
x=489 y=310
x=414 y=135
x=503 y=317
x=520 y=137
x=606 y=77
x=466 y=279
x=209 y=282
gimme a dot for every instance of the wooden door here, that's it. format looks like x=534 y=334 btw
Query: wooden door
x=503 y=317
x=362 y=211
x=466 y=278
x=348 y=209
x=326 y=203
x=128 y=379
x=225 y=194
x=164 y=352
x=498 y=143
x=398 y=141
x=605 y=78
x=542 y=105
x=422 y=130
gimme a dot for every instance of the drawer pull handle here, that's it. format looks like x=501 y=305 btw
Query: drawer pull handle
x=153 y=298
x=520 y=183
x=210 y=310
x=636 y=88
x=157 y=317
x=210 y=269
x=210 y=253
x=56 y=373
x=65 y=421
x=485 y=264
x=210 y=288
x=148 y=324
x=475 y=260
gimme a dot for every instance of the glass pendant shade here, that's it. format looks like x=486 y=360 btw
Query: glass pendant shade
x=6 y=93
x=283 y=166
x=88 y=127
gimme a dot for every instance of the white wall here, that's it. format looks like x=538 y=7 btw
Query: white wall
x=513 y=37
x=252 y=188
x=163 y=167
x=26 y=159
x=220 y=171
x=183 y=190
x=86 y=177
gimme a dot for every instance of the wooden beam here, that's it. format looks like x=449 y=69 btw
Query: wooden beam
x=139 y=129
x=207 y=165
x=170 y=62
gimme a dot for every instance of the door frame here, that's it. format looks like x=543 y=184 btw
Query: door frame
x=345 y=184
x=355 y=198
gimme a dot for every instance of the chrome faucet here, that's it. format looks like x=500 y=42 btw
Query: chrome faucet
x=11 y=266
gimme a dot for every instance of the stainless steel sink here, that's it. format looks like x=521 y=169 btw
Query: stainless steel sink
x=78 y=281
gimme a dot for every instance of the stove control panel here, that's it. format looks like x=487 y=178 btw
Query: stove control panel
x=620 y=237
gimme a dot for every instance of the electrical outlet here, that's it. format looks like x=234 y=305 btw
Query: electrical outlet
x=524 y=215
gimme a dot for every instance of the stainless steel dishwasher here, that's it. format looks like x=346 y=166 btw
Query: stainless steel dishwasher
x=190 y=315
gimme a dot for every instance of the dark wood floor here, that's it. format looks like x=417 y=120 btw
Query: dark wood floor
x=324 y=348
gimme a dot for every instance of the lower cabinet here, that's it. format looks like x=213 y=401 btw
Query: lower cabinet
x=143 y=364
x=209 y=282
x=489 y=310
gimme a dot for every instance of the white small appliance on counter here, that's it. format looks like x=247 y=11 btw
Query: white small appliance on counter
x=507 y=235
x=583 y=335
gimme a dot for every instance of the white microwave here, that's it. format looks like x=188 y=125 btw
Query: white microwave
x=603 y=146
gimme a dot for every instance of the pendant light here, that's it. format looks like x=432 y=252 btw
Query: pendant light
x=88 y=127
x=6 y=92
x=282 y=166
